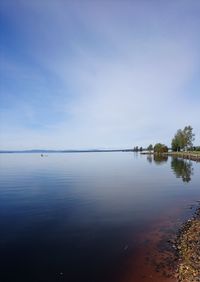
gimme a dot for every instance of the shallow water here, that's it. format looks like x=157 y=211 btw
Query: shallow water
x=89 y=216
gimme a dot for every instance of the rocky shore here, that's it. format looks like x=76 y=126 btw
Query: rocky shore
x=193 y=156
x=188 y=250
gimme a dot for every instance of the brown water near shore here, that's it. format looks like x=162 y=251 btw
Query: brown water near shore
x=156 y=258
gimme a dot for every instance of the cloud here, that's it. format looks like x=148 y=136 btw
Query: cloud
x=119 y=73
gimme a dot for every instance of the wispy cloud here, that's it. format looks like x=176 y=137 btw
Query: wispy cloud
x=99 y=74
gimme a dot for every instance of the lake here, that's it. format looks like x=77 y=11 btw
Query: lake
x=90 y=216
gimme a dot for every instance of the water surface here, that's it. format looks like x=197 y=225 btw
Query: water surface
x=82 y=217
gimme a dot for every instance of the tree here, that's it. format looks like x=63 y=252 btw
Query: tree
x=160 y=148
x=150 y=148
x=183 y=139
x=188 y=136
x=178 y=141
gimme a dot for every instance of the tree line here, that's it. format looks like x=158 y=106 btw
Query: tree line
x=182 y=141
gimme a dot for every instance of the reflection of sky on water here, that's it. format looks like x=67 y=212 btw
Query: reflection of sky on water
x=95 y=202
x=114 y=180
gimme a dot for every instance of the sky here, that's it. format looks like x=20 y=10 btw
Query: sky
x=98 y=74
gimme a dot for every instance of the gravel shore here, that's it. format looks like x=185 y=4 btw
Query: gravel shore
x=188 y=250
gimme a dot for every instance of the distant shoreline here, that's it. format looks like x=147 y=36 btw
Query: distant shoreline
x=64 y=151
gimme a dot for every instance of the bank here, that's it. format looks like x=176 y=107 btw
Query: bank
x=188 y=250
x=193 y=156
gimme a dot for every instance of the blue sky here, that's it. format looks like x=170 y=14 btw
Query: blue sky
x=100 y=74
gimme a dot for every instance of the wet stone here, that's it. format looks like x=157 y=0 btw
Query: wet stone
x=188 y=248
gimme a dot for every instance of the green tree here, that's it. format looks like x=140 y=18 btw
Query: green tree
x=188 y=136
x=150 y=148
x=183 y=139
x=160 y=148
x=178 y=141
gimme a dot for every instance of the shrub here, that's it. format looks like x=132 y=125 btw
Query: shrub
x=160 y=148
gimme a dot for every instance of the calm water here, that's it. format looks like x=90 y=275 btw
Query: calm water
x=78 y=217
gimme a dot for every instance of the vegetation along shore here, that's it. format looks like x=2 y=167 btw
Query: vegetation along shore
x=190 y=155
x=181 y=146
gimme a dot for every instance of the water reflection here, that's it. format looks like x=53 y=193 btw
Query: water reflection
x=182 y=169
x=86 y=212
x=149 y=158
x=158 y=159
